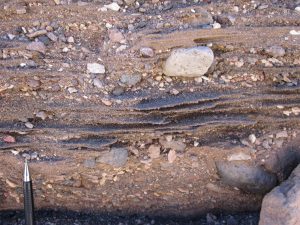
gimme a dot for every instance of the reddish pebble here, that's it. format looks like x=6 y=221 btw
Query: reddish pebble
x=9 y=139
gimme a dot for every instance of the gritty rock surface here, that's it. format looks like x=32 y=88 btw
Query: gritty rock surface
x=189 y=62
x=282 y=205
x=246 y=177
x=116 y=157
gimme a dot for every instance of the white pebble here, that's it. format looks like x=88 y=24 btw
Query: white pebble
x=29 y=125
x=216 y=25
x=294 y=32
x=113 y=6
x=252 y=138
x=95 y=68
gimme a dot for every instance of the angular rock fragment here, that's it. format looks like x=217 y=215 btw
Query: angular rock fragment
x=37 y=33
x=37 y=46
x=249 y=178
x=282 y=205
x=189 y=62
x=172 y=156
x=178 y=146
x=116 y=36
x=154 y=151
x=116 y=157
x=275 y=51
x=113 y=6
x=95 y=68
x=131 y=80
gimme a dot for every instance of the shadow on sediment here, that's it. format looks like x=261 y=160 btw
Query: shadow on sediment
x=67 y=217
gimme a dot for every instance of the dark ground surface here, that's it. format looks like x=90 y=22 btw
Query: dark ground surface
x=74 y=218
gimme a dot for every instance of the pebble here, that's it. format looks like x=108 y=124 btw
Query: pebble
x=95 y=68
x=216 y=25
x=44 y=39
x=121 y=48
x=9 y=139
x=33 y=83
x=275 y=51
x=98 y=83
x=113 y=6
x=29 y=125
x=249 y=178
x=70 y=40
x=130 y=80
x=115 y=36
x=52 y=36
x=34 y=155
x=21 y=10
x=154 y=151
x=41 y=114
x=116 y=157
x=172 y=156
x=26 y=156
x=294 y=32
x=178 y=146
x=238 y=156
x=106 y=102
x=146 y=52
x=189 y=62
x=129 y=2
x=226 y=20
x=252 y=138
x=10 y=183
x=37 y=33
x=65 y=49
x=36 y=46
x=11 y=36
x=72 y=90
x=297 y=8
x=118 y=91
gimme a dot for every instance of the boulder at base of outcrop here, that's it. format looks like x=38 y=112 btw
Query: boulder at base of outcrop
x=189 y=62
x=247 y=177
x=282 y=205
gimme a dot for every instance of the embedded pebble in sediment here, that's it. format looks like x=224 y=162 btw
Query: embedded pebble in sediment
x=189 y=62
x=37 y=46
x=130 y=80
x=247 y=177
x=275 y=51
x=113 y=6
x=116 y=157
x=95 y=68
x=154 y=151
x=146 y=52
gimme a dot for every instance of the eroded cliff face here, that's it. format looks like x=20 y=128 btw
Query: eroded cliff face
x=86 y=97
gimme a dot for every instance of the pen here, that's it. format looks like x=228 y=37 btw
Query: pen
x=28 y=197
